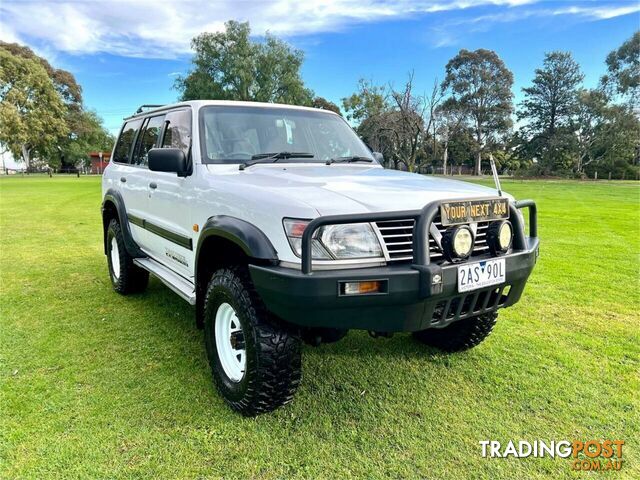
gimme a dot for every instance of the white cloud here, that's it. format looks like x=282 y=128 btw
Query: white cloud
x=454 y=31
x=600 y=12
x=591 y=12
x=164 y=28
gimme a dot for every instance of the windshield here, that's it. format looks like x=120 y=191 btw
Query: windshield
x=239 y=134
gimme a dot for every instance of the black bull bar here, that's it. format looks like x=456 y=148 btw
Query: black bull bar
x=423 y=218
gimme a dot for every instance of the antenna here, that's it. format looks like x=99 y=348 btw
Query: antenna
x=494 y=171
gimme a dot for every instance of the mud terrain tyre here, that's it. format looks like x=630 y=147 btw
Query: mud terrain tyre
x=255 y=361
x=460 y=335
x=126 y=277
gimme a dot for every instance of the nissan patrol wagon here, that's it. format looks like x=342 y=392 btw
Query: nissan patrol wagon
x=280 y=226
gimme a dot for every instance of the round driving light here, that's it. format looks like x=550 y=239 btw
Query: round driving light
x=462 y=242
x=457 y=243
x=499 y=237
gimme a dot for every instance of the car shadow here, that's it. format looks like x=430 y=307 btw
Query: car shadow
x=356 y=344
x=344 y=376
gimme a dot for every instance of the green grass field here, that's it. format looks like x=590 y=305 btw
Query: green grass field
x=93 y=384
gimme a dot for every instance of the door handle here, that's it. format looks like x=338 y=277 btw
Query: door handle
x=153 y=185
x=123 y=179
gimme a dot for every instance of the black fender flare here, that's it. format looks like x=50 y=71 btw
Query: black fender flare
x=253 y=241
x=115 y=197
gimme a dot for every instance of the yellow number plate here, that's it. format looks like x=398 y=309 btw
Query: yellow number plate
x=472 y=211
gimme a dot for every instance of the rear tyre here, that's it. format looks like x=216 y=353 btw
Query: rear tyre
x=126 y=277
x=460 y=335
x=256 y=363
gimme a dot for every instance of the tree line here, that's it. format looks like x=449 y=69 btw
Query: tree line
x=42 y=117
x=560 y=127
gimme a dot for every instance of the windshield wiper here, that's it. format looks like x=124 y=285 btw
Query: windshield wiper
x=352 y=159
x=273 y=157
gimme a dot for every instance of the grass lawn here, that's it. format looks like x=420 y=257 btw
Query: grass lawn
x=93 y=384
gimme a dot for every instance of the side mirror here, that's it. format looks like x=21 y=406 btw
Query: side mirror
x=168 y=160
x=378 y=157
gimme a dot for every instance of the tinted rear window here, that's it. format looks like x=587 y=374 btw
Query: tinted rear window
x=122 y=153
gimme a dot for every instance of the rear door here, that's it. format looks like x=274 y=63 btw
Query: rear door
x=129 y=180
x=169 y=222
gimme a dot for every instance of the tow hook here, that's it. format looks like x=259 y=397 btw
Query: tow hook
x=380 y=334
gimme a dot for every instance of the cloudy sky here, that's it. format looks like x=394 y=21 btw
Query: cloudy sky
x=125 y=53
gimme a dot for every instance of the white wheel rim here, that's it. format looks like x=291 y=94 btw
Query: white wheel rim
x=115 y=258
x=229 y=337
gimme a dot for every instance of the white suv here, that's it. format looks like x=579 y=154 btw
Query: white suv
x=281 y=226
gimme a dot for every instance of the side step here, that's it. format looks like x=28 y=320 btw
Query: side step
x=175 y=282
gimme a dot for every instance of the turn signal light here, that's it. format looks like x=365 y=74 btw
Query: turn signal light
x=360 y=288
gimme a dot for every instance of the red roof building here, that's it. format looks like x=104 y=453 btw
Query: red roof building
x=99 y=160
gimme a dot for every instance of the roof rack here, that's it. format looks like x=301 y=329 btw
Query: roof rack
x=142 y=108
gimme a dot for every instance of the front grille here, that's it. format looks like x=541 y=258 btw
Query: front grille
x=398 y=239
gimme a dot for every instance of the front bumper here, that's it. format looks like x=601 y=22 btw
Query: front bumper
x=409 y=303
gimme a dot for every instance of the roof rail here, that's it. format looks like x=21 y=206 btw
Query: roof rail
x=141 y=108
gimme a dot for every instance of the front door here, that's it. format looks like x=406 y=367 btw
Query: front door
x=168 y=220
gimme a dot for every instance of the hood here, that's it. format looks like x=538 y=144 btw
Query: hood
x=340 y=189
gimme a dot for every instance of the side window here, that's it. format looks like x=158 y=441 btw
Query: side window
x=148 y=139
x=125 y=141
x=178 y=131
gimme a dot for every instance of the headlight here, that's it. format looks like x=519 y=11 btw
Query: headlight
x=353 y=240
x=294 y=230
x=339 y=242
x=457 y=243
x=499 y=237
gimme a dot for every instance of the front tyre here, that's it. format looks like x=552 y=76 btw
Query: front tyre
x=126 y=277
x=256 y=363
x=460 y=335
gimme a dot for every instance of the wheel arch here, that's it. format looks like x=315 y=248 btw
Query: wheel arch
x=113 y=207
x=225 y=240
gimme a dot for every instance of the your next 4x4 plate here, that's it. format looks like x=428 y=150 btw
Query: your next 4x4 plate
x=472 y=211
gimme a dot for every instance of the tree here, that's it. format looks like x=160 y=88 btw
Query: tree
x=408 y=128
x=450 y=119
x=43 y=116
x=368 y=108
x=415 y=118
x=377 y=133
x=480 y=86
x=623 y=71
x=462 y=147
x=396 y=123
x=87 y=134
x=32 y=113
x=399 y=123
x=549 y=109
x=607 y=135
x=324 y=104
x=507 y=158
x=63 y=81
x=367 y=102
x=552 y=101
x=230 y=66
